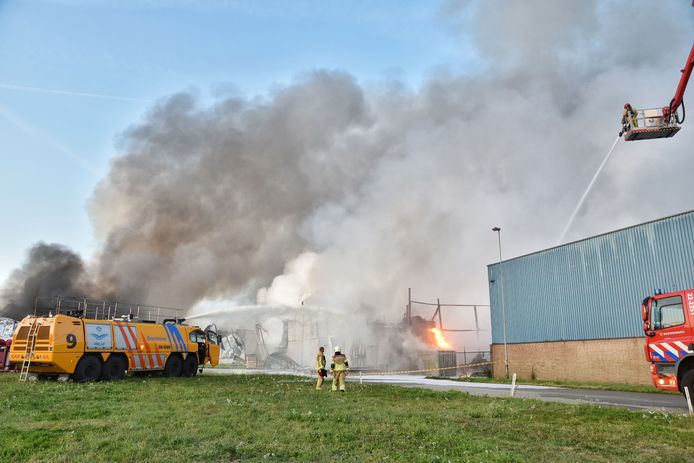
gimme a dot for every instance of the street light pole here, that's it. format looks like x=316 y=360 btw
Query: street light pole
x=503 y=302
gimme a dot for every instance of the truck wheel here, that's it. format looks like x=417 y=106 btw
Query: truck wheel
x=190 y=365
x=174 y=366
x=88 y=369
x=688 y=382
x=114 y=368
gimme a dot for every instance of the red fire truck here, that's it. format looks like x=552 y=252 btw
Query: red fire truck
x=668 y=321
x=5 y=354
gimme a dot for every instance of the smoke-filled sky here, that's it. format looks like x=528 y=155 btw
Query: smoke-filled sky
x=76 y=73
x=346 y=188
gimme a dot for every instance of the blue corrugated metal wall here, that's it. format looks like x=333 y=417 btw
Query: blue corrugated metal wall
x=592 y=289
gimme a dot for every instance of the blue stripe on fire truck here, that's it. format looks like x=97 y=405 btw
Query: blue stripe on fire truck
x=168 y=335
x=667 y=351
x=177 y=336
x=172 y=337
x=180 y=338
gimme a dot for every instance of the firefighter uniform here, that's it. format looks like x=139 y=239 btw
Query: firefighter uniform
x=339 y=368
x=320 y=368
x=629 y=120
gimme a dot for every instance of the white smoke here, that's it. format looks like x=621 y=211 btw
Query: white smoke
x=293 y=287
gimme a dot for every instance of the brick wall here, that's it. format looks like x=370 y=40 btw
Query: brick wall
x=607 y=360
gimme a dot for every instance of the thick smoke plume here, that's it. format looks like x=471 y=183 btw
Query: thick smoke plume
x=364 y=190
x=50 y=270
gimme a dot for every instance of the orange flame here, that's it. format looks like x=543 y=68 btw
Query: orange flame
x=441 y=342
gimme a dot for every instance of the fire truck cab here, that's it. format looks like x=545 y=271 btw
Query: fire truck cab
x=668 y=322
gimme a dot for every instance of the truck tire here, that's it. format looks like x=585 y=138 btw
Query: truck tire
x=88 y=369
x=114 y=368
x=190 y=365
x=174 y=366
x=688 y=382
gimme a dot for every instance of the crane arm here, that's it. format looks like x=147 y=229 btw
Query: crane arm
x=681 y=87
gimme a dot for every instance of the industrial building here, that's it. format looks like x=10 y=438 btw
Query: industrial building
x=573 y=312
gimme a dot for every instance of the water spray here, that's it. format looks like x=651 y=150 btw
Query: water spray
x=585 y=194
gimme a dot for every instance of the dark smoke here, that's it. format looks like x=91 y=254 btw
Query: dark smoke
x=49 y=270
x=207 y=200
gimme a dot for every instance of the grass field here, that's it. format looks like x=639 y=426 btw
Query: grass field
x=242 y=418
x=572 y=384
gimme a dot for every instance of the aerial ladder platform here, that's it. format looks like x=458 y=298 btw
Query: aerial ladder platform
x=662 y=122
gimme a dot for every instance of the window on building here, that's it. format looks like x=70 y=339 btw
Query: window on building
x=667 y=312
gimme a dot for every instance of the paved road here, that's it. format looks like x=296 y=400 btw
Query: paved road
x=639 y=401
x=632 y=400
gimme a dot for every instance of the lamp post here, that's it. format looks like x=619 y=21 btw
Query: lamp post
x=503 y=302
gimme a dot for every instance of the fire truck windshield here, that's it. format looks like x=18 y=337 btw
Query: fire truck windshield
x=667 y=312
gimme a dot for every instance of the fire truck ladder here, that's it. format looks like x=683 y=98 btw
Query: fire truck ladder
x=29 y=351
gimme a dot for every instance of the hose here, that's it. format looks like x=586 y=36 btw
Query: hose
x=684 y=113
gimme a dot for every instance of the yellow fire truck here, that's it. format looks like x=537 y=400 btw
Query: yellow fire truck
x=88 y=341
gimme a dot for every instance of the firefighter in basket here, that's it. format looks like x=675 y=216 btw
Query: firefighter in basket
x=629 y=120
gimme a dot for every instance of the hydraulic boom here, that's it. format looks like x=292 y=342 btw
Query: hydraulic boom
x=682 y=86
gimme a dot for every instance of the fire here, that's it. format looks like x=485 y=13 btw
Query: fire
x=441 y=342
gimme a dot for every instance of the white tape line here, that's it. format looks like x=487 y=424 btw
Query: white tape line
x=401 y=372
x=425 y=370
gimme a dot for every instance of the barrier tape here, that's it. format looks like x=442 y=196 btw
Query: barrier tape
x=402 y=372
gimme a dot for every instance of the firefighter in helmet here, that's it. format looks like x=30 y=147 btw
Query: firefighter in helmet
x=628 y=119
x=339 y=368
x=320 y=367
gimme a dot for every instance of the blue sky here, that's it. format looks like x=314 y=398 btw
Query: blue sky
x=75 y=74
